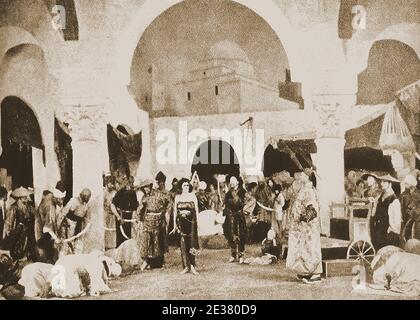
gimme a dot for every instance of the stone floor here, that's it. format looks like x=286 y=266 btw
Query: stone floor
x=219 y=279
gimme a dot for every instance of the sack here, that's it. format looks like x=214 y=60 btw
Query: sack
x=308 y=214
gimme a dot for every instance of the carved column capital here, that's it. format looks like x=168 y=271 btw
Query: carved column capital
x=86 y=123
x=331 y=111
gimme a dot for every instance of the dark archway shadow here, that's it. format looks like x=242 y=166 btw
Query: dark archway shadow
x=20 y=131
x=215 y=157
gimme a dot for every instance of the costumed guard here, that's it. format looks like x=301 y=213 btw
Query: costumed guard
x=234 y=227
x=124 y=206
x=153 y=242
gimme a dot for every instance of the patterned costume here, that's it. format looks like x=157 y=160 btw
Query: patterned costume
x=304 y=248
x=153 y=243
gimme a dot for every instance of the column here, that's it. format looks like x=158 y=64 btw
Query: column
x=84 y=107
x=329 y=162
x=87 y=126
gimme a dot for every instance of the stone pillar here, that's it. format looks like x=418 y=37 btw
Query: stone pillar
x=84 y=107
x=329 y=92
x=87 y=126
x=329 y=161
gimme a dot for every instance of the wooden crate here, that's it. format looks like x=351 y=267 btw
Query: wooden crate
x=338 y=267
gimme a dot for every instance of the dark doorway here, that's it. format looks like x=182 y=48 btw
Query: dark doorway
x=215 y=157
x=20 y=132
x=291 y=156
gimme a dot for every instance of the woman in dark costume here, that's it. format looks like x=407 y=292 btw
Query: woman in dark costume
x=185 y=217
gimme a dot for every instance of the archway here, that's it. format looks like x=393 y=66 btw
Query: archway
x=179 y=76
x=290 y=156
x=291 y=38
x=21 y=139
x=215 y=157
x=392 y=65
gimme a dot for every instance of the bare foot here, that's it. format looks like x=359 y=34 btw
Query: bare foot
x=186 y=270
x=193 y=271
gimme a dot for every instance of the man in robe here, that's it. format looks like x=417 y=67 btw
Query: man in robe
x=410 y=209
x=49 y=228
x=19 y=227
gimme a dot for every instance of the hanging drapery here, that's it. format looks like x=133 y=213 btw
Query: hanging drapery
x=64 y=152
x=288 y=155
x=124 y=151
x=20 y=125
x=299 y=151
x=365 y=136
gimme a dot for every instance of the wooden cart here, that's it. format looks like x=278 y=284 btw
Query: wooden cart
x=357 y=213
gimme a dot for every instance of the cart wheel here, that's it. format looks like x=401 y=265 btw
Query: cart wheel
x=361 y=250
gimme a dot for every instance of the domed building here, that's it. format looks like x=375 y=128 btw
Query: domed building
x=225 y=82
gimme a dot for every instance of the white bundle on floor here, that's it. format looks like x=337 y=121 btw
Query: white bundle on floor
x=395 y=134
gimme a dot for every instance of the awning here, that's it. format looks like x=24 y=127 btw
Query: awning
x=367 y=159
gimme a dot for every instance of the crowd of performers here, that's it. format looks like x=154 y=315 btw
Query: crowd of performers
x=267 y=210
x=144 y=217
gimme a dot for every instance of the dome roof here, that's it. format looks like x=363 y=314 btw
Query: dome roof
x=226 y=50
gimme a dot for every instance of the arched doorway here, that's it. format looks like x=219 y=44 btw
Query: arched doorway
x=291 y=156
x=215 y=157
x=21 y=139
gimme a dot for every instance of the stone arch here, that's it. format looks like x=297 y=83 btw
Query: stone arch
x=150 y=10
x=32 y=83
x=11 y=36
x=396 y=63
x=406 y=33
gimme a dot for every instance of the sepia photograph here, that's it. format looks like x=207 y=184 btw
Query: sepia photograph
x=218 y=151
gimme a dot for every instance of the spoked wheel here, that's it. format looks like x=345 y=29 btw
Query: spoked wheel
x=361 y=250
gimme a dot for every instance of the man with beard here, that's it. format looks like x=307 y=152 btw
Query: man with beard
x=235 y=226
x=19 y=228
